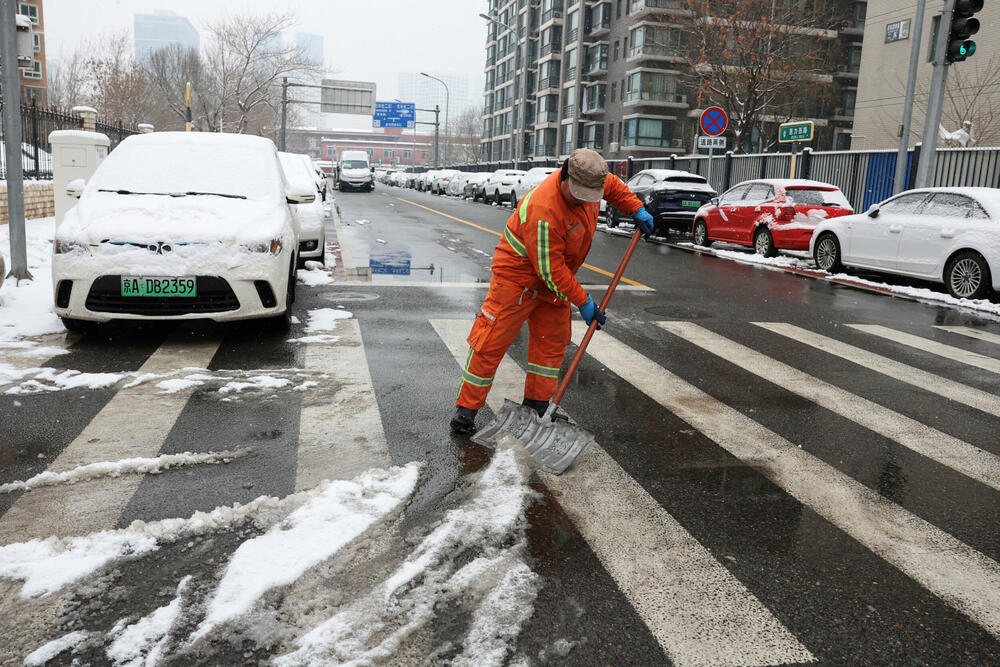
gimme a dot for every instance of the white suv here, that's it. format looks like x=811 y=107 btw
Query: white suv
x=500 y=185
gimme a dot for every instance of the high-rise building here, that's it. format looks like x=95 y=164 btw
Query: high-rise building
x=426 y=92
x=33 y=78
x=161 y=29
x=311 y=46
x=609 y=76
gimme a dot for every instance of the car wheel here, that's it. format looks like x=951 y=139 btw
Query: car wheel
x=967 y=276
x=826 y=253
x=496 y=197
x=612 y=217
x=75 y=325
x=763 y=242
x=701 y=234
x=513 y=199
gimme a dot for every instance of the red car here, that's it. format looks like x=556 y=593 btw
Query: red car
x=769 y=214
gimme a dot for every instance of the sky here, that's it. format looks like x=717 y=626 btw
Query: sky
x=364 y=40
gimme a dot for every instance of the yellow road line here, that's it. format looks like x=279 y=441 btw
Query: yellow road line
x=472 y=224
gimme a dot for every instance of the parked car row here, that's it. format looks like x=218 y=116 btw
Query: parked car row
x=177 y=226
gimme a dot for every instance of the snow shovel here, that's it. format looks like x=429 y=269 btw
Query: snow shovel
x=553 y=444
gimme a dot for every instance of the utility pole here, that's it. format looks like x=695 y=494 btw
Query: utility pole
x=12 y=140
x=284 y=111
x=437 y=128
x=916 y=32
x=187 y=107
x=925 y=168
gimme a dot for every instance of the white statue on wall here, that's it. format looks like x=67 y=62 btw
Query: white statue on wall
x=961 y=136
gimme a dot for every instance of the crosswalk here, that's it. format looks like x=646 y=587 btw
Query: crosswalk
x=694 y=604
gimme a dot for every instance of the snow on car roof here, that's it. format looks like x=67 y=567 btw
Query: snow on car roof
x=988 y=197
x=792 y=183
x=296 y=173
x=198 y=139
x=663 y=174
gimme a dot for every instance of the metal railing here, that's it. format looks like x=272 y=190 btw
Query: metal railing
x=36 y=124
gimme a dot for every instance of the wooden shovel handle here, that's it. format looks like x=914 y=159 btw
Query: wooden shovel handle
x=564 y=385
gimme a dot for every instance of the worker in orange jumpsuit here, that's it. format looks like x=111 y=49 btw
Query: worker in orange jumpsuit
x=544 y=243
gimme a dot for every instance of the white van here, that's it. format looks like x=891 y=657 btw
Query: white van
x=355 y=172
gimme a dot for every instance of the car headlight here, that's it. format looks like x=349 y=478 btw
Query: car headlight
x=63 y=247
x=274 y=247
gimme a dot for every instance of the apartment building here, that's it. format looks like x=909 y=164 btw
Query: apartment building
x=608 y=75
x=33 y=77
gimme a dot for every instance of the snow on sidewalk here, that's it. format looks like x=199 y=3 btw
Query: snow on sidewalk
x=26 y=308
x=321 y=321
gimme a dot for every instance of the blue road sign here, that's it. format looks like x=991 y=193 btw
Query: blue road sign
x=713 y=121
x=394 y=114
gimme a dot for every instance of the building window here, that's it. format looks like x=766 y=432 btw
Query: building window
x=34 y=72
x=371 y=152
x=388 y=153
x=423 y=155
x=652 y=87
x=30 y=11
x=618 y=12
x=614 y=91
x=36 y=40
x=848 y=99
x=592 y=137
x=654 y=132
x=617 y=45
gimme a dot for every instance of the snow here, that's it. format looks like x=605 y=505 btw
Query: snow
x=178 y=384
x=26 y=308
x=258 y=382
x=475 y=556
x=46 y=652
x=314 y=275
x=132 y=466
x=50 y=379
x=310 y=535
x=143 y=642
x=322 y=320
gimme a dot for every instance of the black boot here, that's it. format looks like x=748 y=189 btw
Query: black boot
x=464 y=421
x=541 y=406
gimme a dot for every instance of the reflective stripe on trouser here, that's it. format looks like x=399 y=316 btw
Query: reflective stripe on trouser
x=548 y=319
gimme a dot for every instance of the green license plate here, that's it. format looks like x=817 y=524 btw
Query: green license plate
x=140 y=286
x=692 y=204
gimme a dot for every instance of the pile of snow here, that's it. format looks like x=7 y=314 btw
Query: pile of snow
x=315 y=274
x=474 y=559
x=310 y=535
x=133 y=466
x=322 y=320
x=923 y=294
x=258 y=382
x=50 y=379
x=26 y=308
x=46 y=652
x=144 y=642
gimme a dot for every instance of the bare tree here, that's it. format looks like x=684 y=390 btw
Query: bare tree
x=119 y=88
x=168 y=71
x=68 y=79
x=245 y=62
x=760 y=59
x=465 y=136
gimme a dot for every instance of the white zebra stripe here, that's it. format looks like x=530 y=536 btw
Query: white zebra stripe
x=932 y=346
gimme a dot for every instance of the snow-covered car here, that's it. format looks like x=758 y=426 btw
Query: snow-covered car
x=441 y=180
x=945 y=235
x=672 y=197
x=531 y=178
x=769 y=214
x=425 y=179
x=500 y=184
x=312 y=235
x=355 y=172
x=474 y=185
x=176 y=226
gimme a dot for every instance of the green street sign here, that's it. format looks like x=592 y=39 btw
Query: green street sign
x=792 y=132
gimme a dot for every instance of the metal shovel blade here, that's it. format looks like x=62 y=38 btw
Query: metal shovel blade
x=553 y=444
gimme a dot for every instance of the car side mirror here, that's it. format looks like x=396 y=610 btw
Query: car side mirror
x=75 y=187
x=873 y=211
x=714 y=201
x=300 y=197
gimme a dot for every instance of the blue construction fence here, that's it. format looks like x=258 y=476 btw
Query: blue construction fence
x=865 y=177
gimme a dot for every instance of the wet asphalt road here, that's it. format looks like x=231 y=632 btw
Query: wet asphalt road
x=837 y=597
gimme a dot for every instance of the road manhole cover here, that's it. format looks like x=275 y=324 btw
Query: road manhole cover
x=341 y=297
x=678 y=312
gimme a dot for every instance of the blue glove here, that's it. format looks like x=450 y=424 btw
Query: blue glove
x=644 y=220
x=589 y=311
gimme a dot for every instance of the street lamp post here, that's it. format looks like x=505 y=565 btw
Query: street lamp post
x=447 y=105
x=514 y=149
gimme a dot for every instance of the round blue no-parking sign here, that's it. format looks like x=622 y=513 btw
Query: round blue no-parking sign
x=714 y=121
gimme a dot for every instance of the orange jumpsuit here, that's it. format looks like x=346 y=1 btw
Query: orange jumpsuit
x=543 y=245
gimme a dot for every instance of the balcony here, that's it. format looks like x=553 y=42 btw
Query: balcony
x=545 y=150
x=569 y=111
x=570 y=75
x=642 y=8
x=634 y=97
x=547 y=82
x=542 y=117
x=845 y=71
x=551 y=17
x=552 y=48
x=654 y=52
x=599 y=26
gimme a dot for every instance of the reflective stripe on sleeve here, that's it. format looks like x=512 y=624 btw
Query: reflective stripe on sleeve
x=544 y=265
x=515 y=242
x=522 y=211
x=544 y=371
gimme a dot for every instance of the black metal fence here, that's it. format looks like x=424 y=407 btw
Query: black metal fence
x=36 y=124
x=865 y=177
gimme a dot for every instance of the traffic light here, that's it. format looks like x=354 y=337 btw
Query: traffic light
x=963 y=25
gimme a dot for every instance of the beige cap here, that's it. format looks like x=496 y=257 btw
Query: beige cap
x=587 y=170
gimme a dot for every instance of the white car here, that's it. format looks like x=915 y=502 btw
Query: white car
x=500 y=185
x=532 y=178
x=945 y=235
x=425 y=179
x=177 y=226
x=312 y=235
x=441 y=179
x=474 y=185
